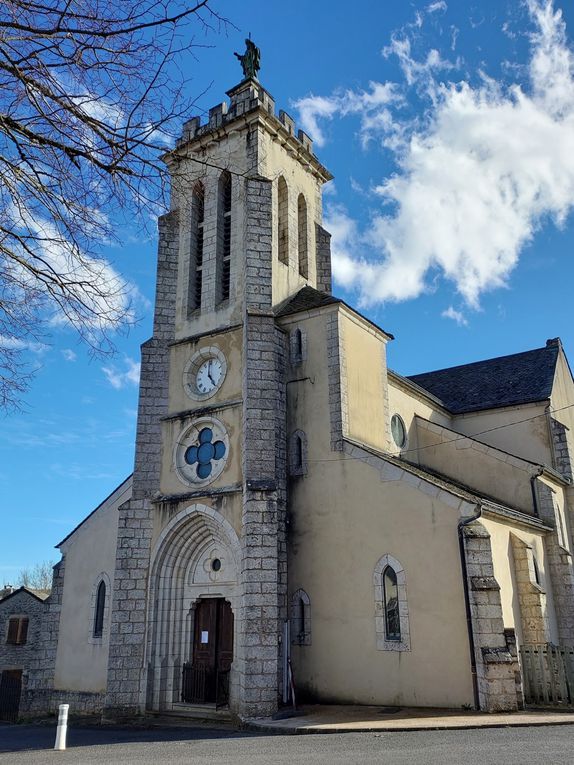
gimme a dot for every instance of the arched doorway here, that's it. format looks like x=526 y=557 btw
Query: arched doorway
x=194 y=591
x=206 y=676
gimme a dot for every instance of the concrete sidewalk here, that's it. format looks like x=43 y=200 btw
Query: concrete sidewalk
x=358 y=719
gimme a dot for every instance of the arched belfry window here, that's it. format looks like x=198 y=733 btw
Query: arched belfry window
x=99 y=610
x=283 y=221
x=300 y=618
x=391 y=608
x=302 y=237
x=223 y=236
x=196 y=247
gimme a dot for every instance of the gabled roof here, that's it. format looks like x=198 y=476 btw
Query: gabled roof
x=304 y=300
x=520 y=378
x=40 y=595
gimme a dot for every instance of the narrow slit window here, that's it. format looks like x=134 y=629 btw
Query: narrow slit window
x=224 y=237
x=300 y=618
x=302 y=237
x=100 y=609
x=298 y=452
x=196 y=265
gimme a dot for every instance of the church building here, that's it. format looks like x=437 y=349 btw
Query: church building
x=299 y=515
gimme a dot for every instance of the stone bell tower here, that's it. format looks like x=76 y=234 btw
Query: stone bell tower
x=201 y=570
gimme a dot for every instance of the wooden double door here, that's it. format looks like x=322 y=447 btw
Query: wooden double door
x=10 y=691
x=206 y=677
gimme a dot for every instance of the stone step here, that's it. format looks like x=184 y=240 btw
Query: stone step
x=192 y=712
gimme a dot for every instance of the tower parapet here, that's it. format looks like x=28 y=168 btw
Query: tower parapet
x=245 y=98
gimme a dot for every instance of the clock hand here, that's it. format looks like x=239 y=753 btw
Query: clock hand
x=208 y=372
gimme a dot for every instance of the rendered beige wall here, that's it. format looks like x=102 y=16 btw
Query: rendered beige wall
x=230 y=344
x=491 y=473
x=563 y=395
x=81 y=665
x=520 y=430
x=407 y=405
x=343 y=519
x=365 y=367
x=504 y=573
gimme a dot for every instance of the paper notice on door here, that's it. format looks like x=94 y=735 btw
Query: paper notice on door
x=204 y=636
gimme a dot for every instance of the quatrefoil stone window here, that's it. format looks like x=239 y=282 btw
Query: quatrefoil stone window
x=201 y=453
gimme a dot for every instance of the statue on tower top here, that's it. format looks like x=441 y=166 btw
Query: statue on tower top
x=251 y=60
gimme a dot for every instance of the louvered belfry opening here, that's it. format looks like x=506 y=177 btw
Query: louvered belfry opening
x=196 y=247
x=224 y=237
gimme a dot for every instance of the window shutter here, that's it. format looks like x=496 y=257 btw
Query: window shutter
x=23 y=632
x=13 y=625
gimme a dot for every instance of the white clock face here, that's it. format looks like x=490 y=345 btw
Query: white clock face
x=209 y=375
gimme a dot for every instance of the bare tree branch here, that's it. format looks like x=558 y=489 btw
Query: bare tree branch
x=90 y=97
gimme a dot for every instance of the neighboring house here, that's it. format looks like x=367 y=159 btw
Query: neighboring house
x=22 y=613
x=400 y=540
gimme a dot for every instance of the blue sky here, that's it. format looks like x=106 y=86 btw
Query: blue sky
x=449 y=129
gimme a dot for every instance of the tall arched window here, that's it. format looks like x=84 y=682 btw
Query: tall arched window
x=283 y=220
x=223 y=236
x=391 y=608
x=196 y=253
x=302 y=237
x=99 y=610
x=391 y=601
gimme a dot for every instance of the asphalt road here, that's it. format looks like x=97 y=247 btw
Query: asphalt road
x=27 y=744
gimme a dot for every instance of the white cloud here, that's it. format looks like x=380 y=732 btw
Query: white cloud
x=457 y=316
x=491 y=164
x=19 y=344
x=119 y=379
x=413 y=70
x=69 y=354
x=97 y=299
x=439 y=5
x=370 y=104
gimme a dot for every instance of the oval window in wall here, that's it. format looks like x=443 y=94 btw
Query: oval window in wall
x=398 y=431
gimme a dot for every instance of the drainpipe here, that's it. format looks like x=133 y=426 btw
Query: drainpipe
x=461 y=526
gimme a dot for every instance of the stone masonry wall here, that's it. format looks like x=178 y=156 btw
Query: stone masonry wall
x=558 y=566
x=43 y=663
x=263 y=575
x=323 y=249
x=31 y=656
x=497 y=666
x=530 y=596
x=126 y=667
x=561 y=450
x=337 y=370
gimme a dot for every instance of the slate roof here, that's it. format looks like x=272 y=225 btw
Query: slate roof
x=304 y=300
x=517 y=379
x=41 y=595
x=308 y=298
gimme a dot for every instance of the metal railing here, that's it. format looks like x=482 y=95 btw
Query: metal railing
x=204 y=685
